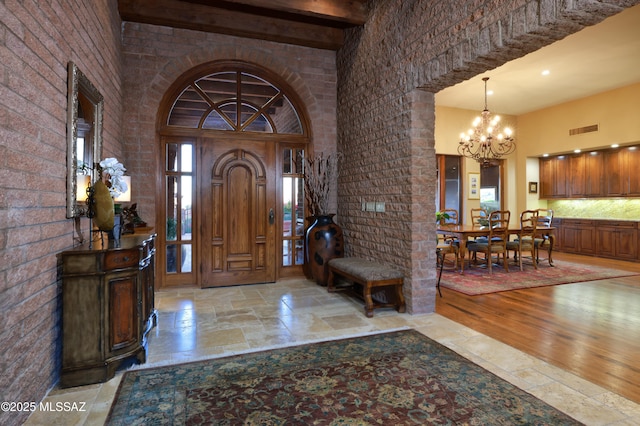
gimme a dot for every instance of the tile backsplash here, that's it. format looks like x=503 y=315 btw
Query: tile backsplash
x=610 y=208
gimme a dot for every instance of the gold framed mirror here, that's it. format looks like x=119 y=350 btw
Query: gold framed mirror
x=84 y=136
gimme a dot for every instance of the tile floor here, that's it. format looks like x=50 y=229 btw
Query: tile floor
x=196 y=323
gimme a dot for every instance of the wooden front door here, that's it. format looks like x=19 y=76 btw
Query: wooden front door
x=238 y=213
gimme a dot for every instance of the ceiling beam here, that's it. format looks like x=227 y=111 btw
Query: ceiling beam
x=345 y=12
x=180 y=14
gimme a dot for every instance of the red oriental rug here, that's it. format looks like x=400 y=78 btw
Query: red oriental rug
x=398 y=378
x=476 y=280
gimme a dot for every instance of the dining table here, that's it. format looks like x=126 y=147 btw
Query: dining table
x=464 y=232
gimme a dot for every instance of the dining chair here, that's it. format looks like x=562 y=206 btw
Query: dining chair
x=497 y=240
x=448 y=244
x=545 y=218
x=526 y=237
x=453 y=218
x=479 y=218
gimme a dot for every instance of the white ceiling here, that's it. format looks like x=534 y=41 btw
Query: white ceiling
x=597 y=59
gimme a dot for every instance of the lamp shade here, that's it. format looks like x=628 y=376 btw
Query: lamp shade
x=82 y=183
x=125 y=197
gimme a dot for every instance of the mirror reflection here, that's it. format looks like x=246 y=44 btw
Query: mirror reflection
x=84 y=138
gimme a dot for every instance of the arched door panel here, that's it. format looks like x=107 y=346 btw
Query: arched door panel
x=238 y=205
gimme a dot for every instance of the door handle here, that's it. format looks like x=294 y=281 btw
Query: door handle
x=272 y=217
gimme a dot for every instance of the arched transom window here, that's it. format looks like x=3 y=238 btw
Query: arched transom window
x=234 y=101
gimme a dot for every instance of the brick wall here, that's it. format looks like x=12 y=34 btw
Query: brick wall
x=155 y=57
x=385 y=125
x=386 y=130
x=37 y=40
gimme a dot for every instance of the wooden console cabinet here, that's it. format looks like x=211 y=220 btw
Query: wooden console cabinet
x=107 y=308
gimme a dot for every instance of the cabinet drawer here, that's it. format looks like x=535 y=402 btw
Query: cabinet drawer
x=577 y=222
x=118 y=259
x=80 y=263
x=617 y=224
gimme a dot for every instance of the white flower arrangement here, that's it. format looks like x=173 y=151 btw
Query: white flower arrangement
x=112 y=171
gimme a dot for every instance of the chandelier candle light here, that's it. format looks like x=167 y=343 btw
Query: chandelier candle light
x=484 y=142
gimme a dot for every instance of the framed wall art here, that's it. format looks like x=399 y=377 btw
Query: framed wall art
x=474 y=186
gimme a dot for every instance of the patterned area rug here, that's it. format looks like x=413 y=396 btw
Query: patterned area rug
x=397 y=378
x=476 y=280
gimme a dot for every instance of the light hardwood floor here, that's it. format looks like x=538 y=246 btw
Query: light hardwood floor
x=591 y=329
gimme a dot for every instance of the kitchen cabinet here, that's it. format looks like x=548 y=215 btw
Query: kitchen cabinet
x=623 y=172
x=616 y=179
x=595 y=174
x=107 y=307
x=577 y=175
x=586 y=175
x=557 y=223
x=617 y=239
x=553 y=177
x=578 y=236
x=633 y=164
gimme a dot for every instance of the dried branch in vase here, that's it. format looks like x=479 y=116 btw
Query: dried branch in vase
x=319 y=174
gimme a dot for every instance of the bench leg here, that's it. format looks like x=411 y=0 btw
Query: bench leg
x=400 y=304
x=368 y=301
x=330 y=284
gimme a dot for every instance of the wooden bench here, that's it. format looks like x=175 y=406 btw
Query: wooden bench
x=369 y=275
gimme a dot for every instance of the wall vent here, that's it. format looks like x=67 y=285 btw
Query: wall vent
x=581 y=130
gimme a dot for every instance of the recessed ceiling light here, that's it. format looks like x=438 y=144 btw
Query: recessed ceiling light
x=546 y=72
x=577 y=151
x=632 y=148
x=545 y=155
x=615 y=145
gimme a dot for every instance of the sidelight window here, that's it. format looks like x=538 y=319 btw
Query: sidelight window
x=179 y=213
x=292 y=207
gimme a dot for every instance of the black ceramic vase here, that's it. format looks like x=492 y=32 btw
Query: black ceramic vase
x=324 y=242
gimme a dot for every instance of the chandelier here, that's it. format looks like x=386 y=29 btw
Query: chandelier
x=484 y=142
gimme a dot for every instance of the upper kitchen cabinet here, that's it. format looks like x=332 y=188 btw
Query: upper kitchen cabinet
x=585 y=175
x=617 y=177
x=633 y=161
x=553 y=177
x=595 y=174
x=577 y=175
x=622 y=174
